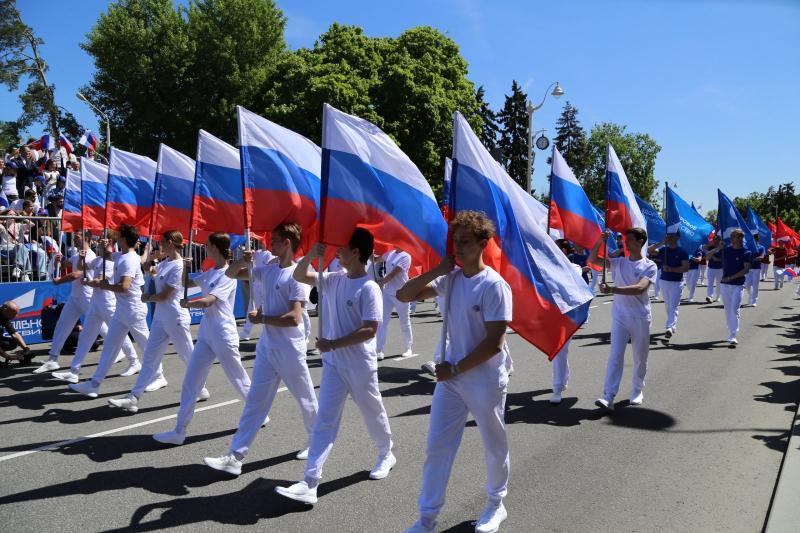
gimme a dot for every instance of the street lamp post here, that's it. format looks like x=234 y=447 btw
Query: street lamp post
x=557 y=92
x=99 y=112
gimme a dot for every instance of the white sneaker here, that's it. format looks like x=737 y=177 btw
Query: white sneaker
x=603 y=403
x=637 y=397
x=302 y=455
x=430 y=368
x=204 y=395
x=492 y=517
x=133 y=368
x=227 y=463
x=170 y=437
x=67 y=376
x=159 y=383
x=408 y=353
x=669 y=333
x=556 y=397
x=299 y=492
x=380 y=356
x=383 y=466
x=86 y=388
x=129 y=403
x=120 y=357
x=47 y=366
x=421 y=527
x=265 y=422
x=732 y=341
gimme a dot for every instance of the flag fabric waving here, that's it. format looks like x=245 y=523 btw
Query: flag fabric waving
x=782 y=230
x=94 y=189
x=654 y=224
x=281 y=169
x=89 y=140
x=448 y=171
x=218 y=201
x=45 y=143
x=572 y=216
x=681 y=216
x=172 y=203
x=551 y=300
x=729 y=218
x=71 y=214
x=622 y=210
x=131 y=183
x=64 y=142
x=757 y=226
x=368 y=181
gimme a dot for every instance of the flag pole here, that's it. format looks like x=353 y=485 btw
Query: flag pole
x=323 y=204
x=247 y=231
x=605 y=223
x=550 y=188
x=451 y=209
x=191 y=220
x=105 y=229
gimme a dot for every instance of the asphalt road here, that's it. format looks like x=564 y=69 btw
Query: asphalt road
x=701 y=454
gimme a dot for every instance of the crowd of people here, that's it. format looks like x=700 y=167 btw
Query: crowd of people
x=358 y=293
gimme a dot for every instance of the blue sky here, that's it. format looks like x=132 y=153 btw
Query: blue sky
x=716 y=83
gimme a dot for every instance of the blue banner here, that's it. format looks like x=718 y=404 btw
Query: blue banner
x=757 y=226
x=729 y=218
x=656 y=227
x=694 y=229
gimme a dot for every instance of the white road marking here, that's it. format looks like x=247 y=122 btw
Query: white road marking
x=63 y=443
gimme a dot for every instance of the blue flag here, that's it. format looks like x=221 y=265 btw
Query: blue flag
x=729 y=218
x=757 y=226
x=693 y=228
x=656 y=227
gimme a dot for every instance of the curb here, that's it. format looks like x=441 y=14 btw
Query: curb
x=784 y=512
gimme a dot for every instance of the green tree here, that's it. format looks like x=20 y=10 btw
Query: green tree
x=21 y=61
x=488 y=117
x=636 y=151
x=570 y=139
x=513 y=121
x=9 y=133
x=163 y=72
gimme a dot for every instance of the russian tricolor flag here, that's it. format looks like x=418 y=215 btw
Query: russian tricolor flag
x=368 y=181
x=89 y=140
x=46 y=143
x=572 y=215
x=551 y=300
x=172 y=203
x=622 y=211
x=131 y=184
x=94 y=189
x=218 y=203
x=63 y=141
x=71 y=214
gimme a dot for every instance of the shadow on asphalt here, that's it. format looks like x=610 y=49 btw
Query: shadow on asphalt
x=93 y=414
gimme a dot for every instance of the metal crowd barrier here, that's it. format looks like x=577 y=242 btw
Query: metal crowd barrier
x=28 y=245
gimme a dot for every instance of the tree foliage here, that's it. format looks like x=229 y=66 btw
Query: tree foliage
x=571 y=140
x=513 y=144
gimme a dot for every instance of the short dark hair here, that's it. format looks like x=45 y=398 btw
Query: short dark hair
x=26 y=204
x=30 y=193
x=222 y=242
x=174 y=236
x=130 y=234
x=639 y=233
x=564 y=244
x=363 y=241
x=291 y=231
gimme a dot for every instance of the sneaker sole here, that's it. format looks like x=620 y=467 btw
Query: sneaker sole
x=225 y=470
x=604 y=407
x=307 y=501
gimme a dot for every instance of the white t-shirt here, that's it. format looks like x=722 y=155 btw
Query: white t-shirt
x=627 y=272
x=395 y=259
x=219 y=318
x=10 y=185
x=260 y=259
x=348 y=303
x=170 y=274
x=484 y=297
x=102 y=299
x=280 y=288
x=335 y=266
x=16 y=205
x=79 y=291
x=129 y=265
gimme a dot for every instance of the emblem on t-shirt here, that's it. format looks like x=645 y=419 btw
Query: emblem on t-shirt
x=277 y=287
x=350 y=303
x=476 y=308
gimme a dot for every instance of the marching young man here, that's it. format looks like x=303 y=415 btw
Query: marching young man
x=350 y=313
x=714 y=256
x=130 y=315
x=630 y=316
x=281 y=349
x=736 y=260
x=753 y=278
x=397 y=264
x=217 y=337
x=170 y=324
x=674 y=263
x=472 y=377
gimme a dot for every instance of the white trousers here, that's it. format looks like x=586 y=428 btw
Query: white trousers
x=70 y=314
x=692 y=276
x=595 y=278
x=671 y=291
x=272 y=366
x=96 y=323
x=731 y=299
x=625 y=328
x=206 y=351
x=657 y=284
x=162 y=332
x=714 y=278
x=764 y=271
x=337 y=382
x=453 y=401
x=390 y=303
x=123 y=322
x=777 y=273
x=702 y=269
x=561 y=368
x=751 y=283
